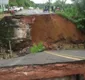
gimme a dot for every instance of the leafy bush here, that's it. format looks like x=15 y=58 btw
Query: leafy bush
x=80 y=22
x=72 y=15
x=37 y=48
x=68 y=12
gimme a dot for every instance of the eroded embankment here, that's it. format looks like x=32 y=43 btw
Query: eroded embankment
x=46 y=28
x=42 y=72
x=53 y=28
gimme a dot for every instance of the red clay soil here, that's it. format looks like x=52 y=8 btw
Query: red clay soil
x=42 y=72
x=49 y=29
x=52 y=28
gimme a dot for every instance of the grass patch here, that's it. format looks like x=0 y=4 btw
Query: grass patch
x=37 y=48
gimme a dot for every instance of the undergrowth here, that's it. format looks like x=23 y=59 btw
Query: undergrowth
x=78 y=20
x=37 y=48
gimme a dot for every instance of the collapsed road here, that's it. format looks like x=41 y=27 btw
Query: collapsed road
x=45 y=57
x=47 y=65
x=47 y=28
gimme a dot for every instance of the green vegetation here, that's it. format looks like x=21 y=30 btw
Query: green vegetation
x=24 y=3
x=37 y=48
x=74 y=12
x=41 y=6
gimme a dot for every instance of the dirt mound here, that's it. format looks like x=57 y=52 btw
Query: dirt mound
x=53 y=28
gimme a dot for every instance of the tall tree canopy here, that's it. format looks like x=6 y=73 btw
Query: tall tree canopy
x=24 y=3
x=79 y=4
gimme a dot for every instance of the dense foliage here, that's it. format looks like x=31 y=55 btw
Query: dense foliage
x=75 y=12
x=24 y=3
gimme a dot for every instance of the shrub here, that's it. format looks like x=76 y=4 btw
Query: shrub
x=37 y=48
x=71 y=14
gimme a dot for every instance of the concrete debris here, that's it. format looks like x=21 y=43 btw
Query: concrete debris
x=17 y=30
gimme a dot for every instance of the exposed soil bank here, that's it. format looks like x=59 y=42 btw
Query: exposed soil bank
x=47 y=28
x=54 y=28
x=42 y=72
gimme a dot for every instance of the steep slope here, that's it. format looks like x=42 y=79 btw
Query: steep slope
x=53 y=28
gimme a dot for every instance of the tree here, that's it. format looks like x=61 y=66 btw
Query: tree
x=24 y=3
x=12 y=3
x=20 y=2
x=80 y=20
x=79 y=4
x=60 y=3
